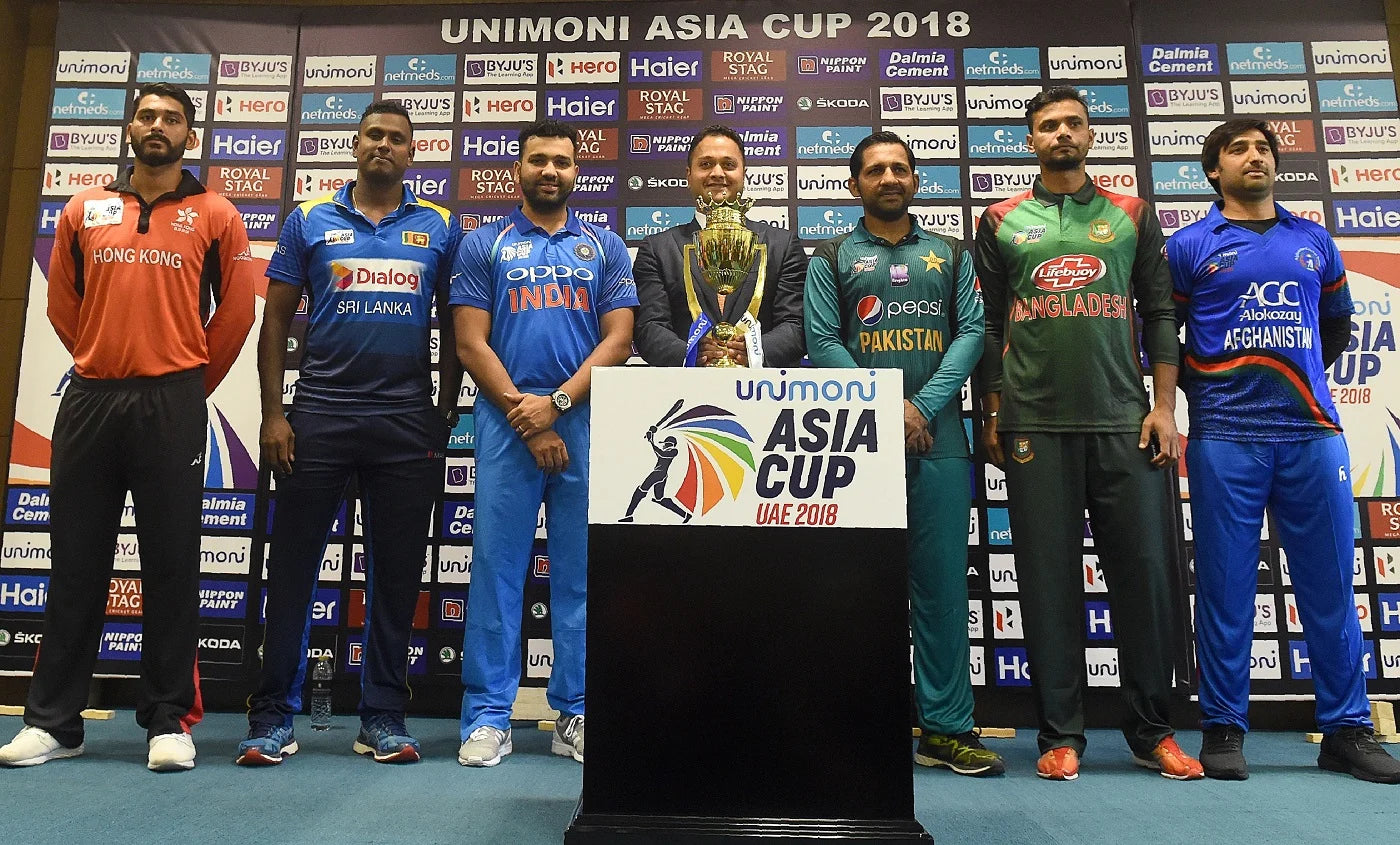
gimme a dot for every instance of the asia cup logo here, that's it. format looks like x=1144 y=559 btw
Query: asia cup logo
x=719 y=456
x=868 y=310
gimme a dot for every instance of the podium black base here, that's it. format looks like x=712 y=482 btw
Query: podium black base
x=600 y=829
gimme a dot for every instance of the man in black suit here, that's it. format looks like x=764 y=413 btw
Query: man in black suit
x=715 y=169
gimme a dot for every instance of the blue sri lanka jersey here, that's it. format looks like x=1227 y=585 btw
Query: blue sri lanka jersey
x=370 y=291
x=1251 y=304
x=545 y=293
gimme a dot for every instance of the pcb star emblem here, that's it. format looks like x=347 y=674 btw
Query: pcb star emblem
x=933 y=262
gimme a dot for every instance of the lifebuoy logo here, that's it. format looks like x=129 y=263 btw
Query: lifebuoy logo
x=377 y=275
x=1068 y=272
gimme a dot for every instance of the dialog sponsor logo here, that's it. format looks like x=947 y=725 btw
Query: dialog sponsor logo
x=988 y=182
x=1180 y=60
x=25 y=550
x=500 y=69
x=1368 y=217
x=1001 y=63
x=818 y=223
x=181 y=68
x=92 y=66
x=1270 y=96
x=1361 y=136
x=334 y=108
x=339 y=71
x=1351 y=57
x=1087 y=62
x=829 y=64
x=1265 y=58
x=585 y=68
x=376 y=275
x=1006 y=140
x=748 y=65
x=261 y=144
x=1166 y=98
x=440 y=69
x=767 y=182
x=498 y=106
x=84 y=142
x=927 y=141
x=1356 y=95
x=65 y=180
x=1364 y=175
x=681 y=66
x=648 y=220
x=88 y=104
x=250 y=107
x=1112 y=141
x=988 y=101
x=427 y=106
x=1175 y=216
x=916 y=64
x=829 y=141
x=1179 y=177
x=919 y=103
x=668 y=104
x=254 y=70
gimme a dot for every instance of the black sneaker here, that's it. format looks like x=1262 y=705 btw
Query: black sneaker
x=1354 y=750
x=963 y=753
x=1222 y=753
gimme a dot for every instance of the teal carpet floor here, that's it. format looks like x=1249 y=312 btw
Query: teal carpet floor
x=326 y=795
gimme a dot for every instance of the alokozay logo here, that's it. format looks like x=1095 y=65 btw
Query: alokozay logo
x=1068 y=272
x=869 y=309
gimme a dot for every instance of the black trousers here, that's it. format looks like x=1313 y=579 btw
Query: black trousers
x=146 y=436
x=1050 y=479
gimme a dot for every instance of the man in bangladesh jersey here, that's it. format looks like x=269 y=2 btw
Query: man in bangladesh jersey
x=890 y=294
x=1063 y=268
x=1264 y=298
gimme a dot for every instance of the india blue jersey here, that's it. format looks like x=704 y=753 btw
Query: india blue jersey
x=370 y=290
x=1252 y=304
x=545 y=293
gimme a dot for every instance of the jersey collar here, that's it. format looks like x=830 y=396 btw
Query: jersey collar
x=188 y=187
x=572 y=224
x=344 y=197
x=916 y=233
x=1215 y=218
x=1083 y=196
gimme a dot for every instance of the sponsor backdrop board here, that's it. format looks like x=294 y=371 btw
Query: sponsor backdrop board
x=802 y=83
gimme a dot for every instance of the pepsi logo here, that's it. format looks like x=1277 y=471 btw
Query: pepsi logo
x=869 y=309
x=1067 y=272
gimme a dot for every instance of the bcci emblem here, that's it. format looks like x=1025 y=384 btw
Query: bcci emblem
x=584 y=251
x=718 y=450
x=1100 y=231
x=1021 y=450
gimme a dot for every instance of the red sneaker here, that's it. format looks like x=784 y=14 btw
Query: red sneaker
x=1172 y=762
x=1058 y=764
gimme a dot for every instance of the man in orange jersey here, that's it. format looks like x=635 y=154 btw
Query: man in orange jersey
x=151 y=290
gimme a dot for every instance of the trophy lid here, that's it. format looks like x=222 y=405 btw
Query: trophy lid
x=725 y=210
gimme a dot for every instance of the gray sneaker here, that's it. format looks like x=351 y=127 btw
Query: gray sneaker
x=485 y=747
x=568 y=737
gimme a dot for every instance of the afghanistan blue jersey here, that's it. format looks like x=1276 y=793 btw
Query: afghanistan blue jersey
x=1252 y=304
x=545 y=293
x=370 y=290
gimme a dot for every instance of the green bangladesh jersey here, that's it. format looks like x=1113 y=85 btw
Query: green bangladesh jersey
x=1061 y=277
x=912 y=306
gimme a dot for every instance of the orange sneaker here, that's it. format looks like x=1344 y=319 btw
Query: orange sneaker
x=1059 y=764
x=1172 y=762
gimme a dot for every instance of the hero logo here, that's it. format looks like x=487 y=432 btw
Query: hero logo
x=1068 y=272
x=377 y=275
x=487 y=106
x=869 y=310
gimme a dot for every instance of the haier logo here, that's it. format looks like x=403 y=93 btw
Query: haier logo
x=500 y=69
x=1101 y=665
x=928 y=141
x=1180 y=60
x=1376 y=217
x=648 y=220
x=998 y=100
x=590 y=105
x=1001 y=181
x=247 y=144
x=681 y=66
x=1351 y=57
x=24 y=593
x=1005 y=140
x=334 y=108
x=1013 y=667
x=943 y=181
x=427 y=106
x=49 y=212
x=420 y=70
x=818 y=223
x=1179 y=177
x=1299 y=665
x=1356 y=95
x=497 y=106
x=339 y=71
x=1001 y=63
x=428 y=184
x=490 y=145
x=1098 y=622
x=1184 y=98
x=92 y=66
x=575 y=68
x=1268 y=58
x=916 y=64
x=1264 y=663
x=920 y=103
x=255 y=70
x=180 y=68
x=1087 y=63
x=1105 y=101
x=1270 y=97
x=88 y=104
x=829 y=142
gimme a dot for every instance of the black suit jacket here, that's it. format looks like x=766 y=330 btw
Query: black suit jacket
x=663 y=320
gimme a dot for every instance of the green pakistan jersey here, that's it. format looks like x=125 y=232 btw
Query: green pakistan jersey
x=912 y=306
x=1059 y=278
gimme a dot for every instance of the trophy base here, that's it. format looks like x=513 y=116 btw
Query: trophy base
x=724 y=363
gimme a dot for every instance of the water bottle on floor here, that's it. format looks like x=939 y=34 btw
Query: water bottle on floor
x=321 y=694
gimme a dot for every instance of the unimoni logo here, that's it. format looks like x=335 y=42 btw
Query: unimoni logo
x=377 y=275
x=1068 y=272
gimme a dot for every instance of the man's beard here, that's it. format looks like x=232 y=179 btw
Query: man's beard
x=888 y=214
x=1063 y=164
x=541 y=203
x=154 y=157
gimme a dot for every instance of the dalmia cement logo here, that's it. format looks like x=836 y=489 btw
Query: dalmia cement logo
x=719 y=456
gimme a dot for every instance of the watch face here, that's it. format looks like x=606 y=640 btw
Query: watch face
x=561 y=400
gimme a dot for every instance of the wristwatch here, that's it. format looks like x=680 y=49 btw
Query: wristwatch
x=561 y=400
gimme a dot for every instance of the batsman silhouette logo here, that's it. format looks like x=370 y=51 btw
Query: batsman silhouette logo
x=719 y=457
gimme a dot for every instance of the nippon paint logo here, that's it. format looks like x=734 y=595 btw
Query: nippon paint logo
x=1351 y=57
x=120 y=641
x=1112 y=141
x=928 y=141
x=84 y=142
x=1175 y=216
x=498 y=106
x=582 y=68
x=1379 y=135
x=261 y=221
x=947 y=220
x=501 y=69
x=343 y=107
x=919 y=103
x=438 y=69
x=1356 y=95
x=92 y=66
x=223 y=599
x=88 y=104
x=1168 y=98
x=427 y=106
x=254 y=70
x=1180 y=60
x=741 y=102
x=339 y=71
x=251 y=107
x=660 y=144
x=180 y=68
x=1265 y=58
x=827 y=64
x=988 y=182
x=1281 y=96
x=989 y=101
x=596 y=184
x=1001 y=63
x=1087 y=62
x=1006 y=140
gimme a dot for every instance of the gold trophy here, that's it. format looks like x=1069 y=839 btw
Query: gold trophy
x=725 y=251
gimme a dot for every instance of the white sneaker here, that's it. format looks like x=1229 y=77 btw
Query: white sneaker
x=32 y=746
x=171 y=753
x=485 y=747
x=567 y=739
